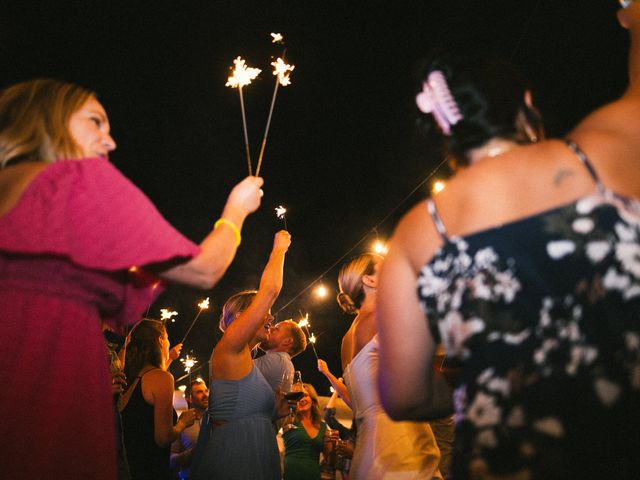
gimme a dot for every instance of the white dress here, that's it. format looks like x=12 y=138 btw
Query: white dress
x=385 y=449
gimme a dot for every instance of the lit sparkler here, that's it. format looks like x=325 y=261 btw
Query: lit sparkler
x=242 y=75
x=188 y=362
x=304 y=324
x=203 y=305
x=166 y=314
x=280 y=213
x=282 y=71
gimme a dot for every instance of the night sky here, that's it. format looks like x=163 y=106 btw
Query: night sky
x=343 y=154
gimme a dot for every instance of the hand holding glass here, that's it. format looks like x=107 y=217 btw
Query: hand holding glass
x=293 y=390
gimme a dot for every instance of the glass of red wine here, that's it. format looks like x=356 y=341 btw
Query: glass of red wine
x=293 y=390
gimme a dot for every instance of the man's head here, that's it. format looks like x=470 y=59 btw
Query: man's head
x=285 y=336
x=198 y=395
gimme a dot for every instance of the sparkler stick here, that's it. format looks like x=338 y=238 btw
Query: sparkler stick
x=243 y=75
x=280 y=211
x=203 y=306
x=304 y=323
x=282 y=71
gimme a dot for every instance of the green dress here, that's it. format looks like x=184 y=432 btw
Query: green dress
x=302 y=453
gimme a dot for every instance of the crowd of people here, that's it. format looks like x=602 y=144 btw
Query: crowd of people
x=507 y=308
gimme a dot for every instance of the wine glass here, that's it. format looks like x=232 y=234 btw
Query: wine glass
x=293 y=390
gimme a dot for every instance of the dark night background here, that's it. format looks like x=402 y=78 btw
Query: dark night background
x=343 y=154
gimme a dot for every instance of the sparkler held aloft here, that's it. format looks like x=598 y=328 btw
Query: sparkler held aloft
x=242 y=75
x=203 y=305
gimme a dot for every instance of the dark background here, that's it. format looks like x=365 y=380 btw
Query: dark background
x=343 y=154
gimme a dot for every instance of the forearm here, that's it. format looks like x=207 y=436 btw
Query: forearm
x=272 y=276
x=339 y=387
x=180 y=459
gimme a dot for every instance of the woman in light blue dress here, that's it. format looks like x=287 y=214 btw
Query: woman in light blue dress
x=237 y=440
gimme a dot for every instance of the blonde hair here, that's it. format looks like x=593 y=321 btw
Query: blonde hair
x=34 y=121
x=316 y=413
x=350 y=281
x=298 y=336
x=234 y=305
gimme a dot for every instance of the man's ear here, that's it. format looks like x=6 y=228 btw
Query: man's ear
x=286 y=341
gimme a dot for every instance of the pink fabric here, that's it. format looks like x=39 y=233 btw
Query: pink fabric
x=65 y=253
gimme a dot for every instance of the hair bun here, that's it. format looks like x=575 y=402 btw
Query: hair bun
x=347 y=304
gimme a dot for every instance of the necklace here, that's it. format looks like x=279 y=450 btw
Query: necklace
x=491 y=149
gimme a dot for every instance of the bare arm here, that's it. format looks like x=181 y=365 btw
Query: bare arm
x=409 y=388
x=336 y=383
x=218 y=249
x=158 y=388
x=629 y=18
x=231 y=359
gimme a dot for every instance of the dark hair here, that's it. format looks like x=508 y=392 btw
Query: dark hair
x=143 y=347
x=489 y=93
x=189 y=390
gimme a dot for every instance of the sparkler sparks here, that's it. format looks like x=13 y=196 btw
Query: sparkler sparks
x=242 y=75
x=166 y=314
x=282 y=71
x=277 y=38
x=304 y=324
x=204 y=304
x=188 y=362
x=280 y=211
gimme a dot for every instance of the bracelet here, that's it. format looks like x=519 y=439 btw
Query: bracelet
x=232 y=226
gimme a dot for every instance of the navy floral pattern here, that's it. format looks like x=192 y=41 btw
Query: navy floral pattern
x=543 y=316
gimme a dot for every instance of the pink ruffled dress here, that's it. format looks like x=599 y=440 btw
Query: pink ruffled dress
x=66 y=252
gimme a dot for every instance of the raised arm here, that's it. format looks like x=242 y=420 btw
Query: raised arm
x=218 y=249
x=409 y=387
x=231 y=357
x=337 y=384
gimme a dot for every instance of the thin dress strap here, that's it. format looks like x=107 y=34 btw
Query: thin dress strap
x=587 y=164
x=437 y=221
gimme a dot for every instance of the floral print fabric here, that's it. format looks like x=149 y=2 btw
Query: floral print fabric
x=543 y=317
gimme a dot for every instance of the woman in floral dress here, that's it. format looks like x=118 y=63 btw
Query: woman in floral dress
x=527 y=268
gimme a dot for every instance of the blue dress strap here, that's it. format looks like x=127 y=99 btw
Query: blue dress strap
x=437 y=221
x=587 y=164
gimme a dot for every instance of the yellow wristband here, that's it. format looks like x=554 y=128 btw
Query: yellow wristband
x=232 y=226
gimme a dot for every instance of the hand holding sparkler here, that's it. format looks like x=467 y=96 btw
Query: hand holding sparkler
x=337 y=383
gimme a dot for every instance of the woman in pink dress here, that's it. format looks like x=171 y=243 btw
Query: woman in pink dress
x=79 y=243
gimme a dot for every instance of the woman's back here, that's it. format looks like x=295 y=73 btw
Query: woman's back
x=146 y=458
x=542 y=313
x=241 y=442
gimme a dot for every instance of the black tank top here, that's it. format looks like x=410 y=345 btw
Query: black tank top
x=146 y=459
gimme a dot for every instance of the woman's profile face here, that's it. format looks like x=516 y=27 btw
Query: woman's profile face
x=89 y=127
